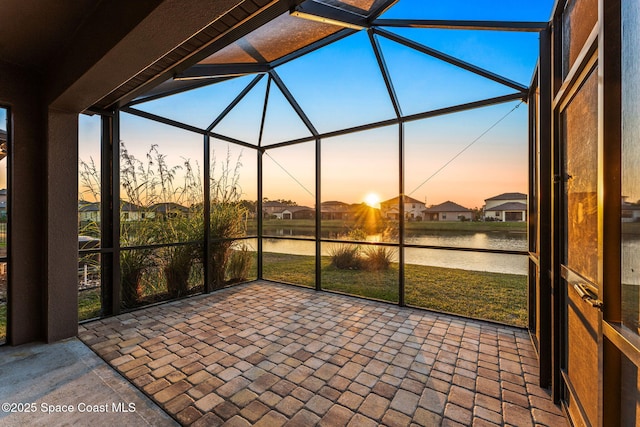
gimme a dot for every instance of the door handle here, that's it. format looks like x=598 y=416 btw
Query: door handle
x=587 y=295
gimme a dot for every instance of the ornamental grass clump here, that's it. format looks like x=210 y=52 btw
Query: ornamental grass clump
x=353 y=257
x=239 y=264
x=228 y=218
x=346 y=257
x=162 y=224
x=377 y=258
x=180 y=226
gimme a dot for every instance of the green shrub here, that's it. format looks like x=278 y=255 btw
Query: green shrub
x=346 y=257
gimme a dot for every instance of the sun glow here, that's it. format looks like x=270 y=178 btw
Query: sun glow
x=372 y=199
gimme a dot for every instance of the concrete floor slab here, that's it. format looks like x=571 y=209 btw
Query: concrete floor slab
x=65 y=383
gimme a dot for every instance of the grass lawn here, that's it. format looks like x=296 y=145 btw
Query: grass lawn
x=88 y=304
x=482 y=295
x=478 y=294
x=475 y=294
x=297 y=269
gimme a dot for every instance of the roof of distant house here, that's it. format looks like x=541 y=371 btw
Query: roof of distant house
x=274 y=204
x=293 y=209
x=510 y=206
x=84 y=206
x=508 y=196
x=406 y=199
x=447 y=206
x=334 y=202
x=336 y=206
x=126 y=206
x=168 y=207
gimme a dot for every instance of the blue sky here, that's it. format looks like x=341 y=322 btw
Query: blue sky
x=495 y=10
x=340 y=86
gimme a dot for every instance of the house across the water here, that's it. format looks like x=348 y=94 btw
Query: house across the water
x=448 y=211
x=506 y=207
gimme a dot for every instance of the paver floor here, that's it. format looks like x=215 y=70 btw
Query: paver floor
x=270 y=355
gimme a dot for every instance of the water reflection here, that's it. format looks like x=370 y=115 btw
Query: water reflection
x=504 y=240
x=476 y=261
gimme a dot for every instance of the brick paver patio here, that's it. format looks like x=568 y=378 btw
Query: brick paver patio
x=270 y=355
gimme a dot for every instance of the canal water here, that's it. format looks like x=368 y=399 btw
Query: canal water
x=476 y=261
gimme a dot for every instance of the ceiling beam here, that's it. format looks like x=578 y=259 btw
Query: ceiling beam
x=207 y=71
x=320 y=12
x=463 y=25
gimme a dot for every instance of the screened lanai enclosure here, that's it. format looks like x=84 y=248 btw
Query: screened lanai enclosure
x=477 y=158
x=357 y=147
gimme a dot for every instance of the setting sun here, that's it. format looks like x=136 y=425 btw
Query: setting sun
x=372 y=199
